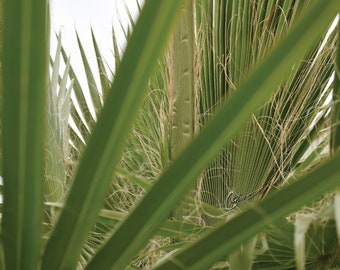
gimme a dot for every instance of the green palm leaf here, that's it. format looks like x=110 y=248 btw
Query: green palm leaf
x=24 y=62
x=226 y=238
x=104 y=150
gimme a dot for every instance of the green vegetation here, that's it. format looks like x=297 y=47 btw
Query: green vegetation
x=214 y=146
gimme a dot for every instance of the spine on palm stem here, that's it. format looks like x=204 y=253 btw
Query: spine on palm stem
x=182 y=90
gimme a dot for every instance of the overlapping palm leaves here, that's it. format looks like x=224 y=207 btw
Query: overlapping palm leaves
x=269 y=149
x=282 y=131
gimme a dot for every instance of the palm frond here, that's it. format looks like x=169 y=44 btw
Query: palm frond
x=103 y=151
x=266 y=153
x=25 y=66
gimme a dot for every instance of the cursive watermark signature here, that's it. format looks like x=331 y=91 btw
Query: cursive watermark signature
x=233 y=199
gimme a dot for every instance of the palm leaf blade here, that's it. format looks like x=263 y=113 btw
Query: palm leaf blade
x=25 y=62
x=224 y=239
x=105 y=147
